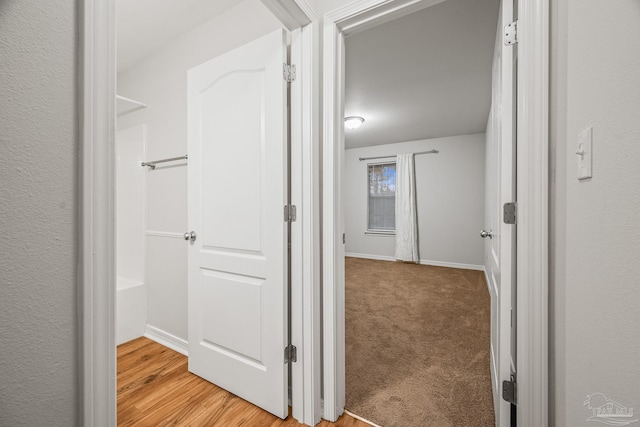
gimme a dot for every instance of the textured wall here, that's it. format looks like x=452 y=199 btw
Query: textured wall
x=596 y=223
x=38 y=213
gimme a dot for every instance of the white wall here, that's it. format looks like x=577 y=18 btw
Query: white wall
x=130 y=203
x=450 y=196
x=595 y=288
x=160 y=80
x=131 y=295
x=38 y=213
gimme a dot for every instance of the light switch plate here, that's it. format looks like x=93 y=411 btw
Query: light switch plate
x=584 y=153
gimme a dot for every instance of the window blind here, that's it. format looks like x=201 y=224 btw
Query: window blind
x=382 y=196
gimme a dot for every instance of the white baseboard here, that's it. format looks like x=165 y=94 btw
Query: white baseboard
x=486 y=279
x=422 y=261
x=167 y=339
x=367 y=256
x=452 y=265
x=495 y=386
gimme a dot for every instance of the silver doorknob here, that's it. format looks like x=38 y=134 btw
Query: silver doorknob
x=190 y=235
x=484 y=234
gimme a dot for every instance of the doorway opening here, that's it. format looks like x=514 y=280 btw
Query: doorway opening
x=531 y=152
x=169 y=81
x=417 y=305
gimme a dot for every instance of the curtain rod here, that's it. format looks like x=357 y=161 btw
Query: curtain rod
x=386 y=157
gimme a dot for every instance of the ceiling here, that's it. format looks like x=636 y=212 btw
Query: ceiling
x=425 y=75
x=145 y=25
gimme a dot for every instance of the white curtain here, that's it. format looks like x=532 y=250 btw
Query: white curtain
x=406 y=211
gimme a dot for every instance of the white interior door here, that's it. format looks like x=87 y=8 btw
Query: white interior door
x=501 y=188
x=237 y=191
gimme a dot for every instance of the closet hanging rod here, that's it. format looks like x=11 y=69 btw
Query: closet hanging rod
x=152 y=165
x=386 y=157
x=133 y=101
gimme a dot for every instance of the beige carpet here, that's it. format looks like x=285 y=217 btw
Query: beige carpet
x=417 y=345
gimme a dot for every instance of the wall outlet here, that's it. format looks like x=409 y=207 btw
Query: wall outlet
x=584 y=153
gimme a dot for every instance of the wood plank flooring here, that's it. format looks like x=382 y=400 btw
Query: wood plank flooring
x=156 y=389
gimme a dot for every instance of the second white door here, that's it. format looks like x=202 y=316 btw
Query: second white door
x=500 y=249
x=237 y=182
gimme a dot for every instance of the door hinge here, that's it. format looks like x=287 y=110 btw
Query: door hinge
x=289 y=213
x=511 y=33
x=509 y=390
x=288 y=72
x=509 y=216
x=290 y=354
x=344 y=238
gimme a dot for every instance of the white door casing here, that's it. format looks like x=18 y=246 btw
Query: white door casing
x=237 y=273
x=500 y=254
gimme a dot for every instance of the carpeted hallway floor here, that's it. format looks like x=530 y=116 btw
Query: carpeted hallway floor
x=417 y=345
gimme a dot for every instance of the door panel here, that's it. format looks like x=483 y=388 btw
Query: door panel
x=501 y=185
x=234 y=132
x=237 y=191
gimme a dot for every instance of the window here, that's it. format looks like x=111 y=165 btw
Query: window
x=382 y=197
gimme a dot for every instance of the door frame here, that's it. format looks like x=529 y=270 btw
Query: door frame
x=96 y=288
x=532 y=204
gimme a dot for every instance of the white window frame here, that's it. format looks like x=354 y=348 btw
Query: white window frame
x=375 y=231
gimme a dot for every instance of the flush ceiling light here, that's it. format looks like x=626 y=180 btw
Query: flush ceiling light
x=353 y=122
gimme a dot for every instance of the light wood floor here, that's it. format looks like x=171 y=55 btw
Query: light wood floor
x=156 y=389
